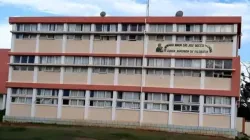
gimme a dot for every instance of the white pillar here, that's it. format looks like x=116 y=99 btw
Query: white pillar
x=170 y=110
x=235 y=46
x=86 y=109
x=4 y=101
x=142 y=106
x=172 y=73
x=59 y=106
x=10 y=69
x=33 y=103
x=8 y=102
x=201 y=110
x=13 y=38
x=114 y=105
x=118 y=41
x=233 y=112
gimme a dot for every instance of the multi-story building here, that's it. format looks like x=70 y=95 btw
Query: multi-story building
x=157 y=70
x=4 y=67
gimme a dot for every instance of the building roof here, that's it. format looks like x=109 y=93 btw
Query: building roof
x=4 y=60
x=155 y=19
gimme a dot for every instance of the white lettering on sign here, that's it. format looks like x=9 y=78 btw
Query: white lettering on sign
x=184 y=48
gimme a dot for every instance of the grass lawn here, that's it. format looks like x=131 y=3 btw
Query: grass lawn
x=50 y=132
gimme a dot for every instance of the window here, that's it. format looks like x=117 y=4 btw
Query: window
x=78 y=37
x=50 y=60
x=23 y=100
x=23 y=68
x=219 y=64
x=26 y=27
x=189 y=28
x=24 y=59
x=219 y=74
x=220 y=28
x=105 y=61
x=79 y=27
x=213 y=105
x=194 y=63
x=22 y=91
x=50 y=37
x=159 y=62
x=26 y=36
x=160 y=37
x=105 y=37
x=103 y=70
x=219 y=39
x=130 y=71
x=192 y=73
x=76 y=69
x=47 y=96
x=129 y=100
x=77 y=60
x=106 y=27
x=132 y=37
x=133 y=27
x=186 y=103
x=52 y=27
x=160 y=28
x=96 y=95
x=131 y=61
x=158 y=72
x=74 y=97
x=50 y=69
x=189 y=38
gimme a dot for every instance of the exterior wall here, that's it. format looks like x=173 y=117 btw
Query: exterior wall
x=127 y=115
x=131 y=47
x=22 y=76
x=152 y=45
x=74 y=78
x=50 y=46
x=25 y=45
x=181 y=82
x=239 y=124
x=157 y=81
x=48 y=77
x=131 y=80
x=76 y=113
x=185 y=119
x=79 y=46
x=100 y=114
x=220 y=121
x=104 y=47
x=20 y=110
x=45 y=111
x=221 y=49
x=103 y=79
x=218 y=83
x=155 y=117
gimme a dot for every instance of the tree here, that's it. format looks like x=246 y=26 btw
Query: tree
x=244 y=107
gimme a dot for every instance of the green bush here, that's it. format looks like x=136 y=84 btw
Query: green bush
x=2 y=113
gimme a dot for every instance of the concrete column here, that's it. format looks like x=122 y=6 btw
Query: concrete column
x=201 y=110
x=118 y=42
x=4 y=101
x=33 y=104
x=233 y=113
x=114 y=105
x=8 y=102
x=86 y=109
x=59 y=106
x=235 y=41
x=64 y=41
x=142 y=106
x=10 y=69
x=116 y=74
x=13 y=37
x=35 y=73
x=170 y=110
x=172 y=73
x=202 y=79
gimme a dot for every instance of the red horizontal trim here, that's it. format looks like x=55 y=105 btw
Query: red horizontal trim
x=200 y=20
x=124 y=88
x=118 y=55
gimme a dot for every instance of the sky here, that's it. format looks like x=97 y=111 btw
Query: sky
x=126 y=8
